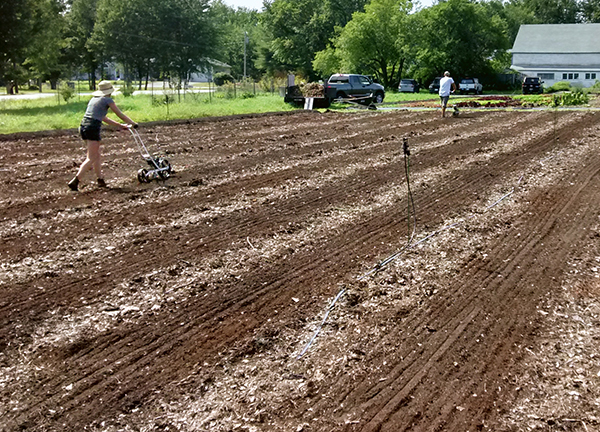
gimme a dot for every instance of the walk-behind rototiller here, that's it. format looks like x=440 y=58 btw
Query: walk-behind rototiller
x=160 y=168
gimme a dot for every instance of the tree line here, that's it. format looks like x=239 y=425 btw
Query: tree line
x=50 y=40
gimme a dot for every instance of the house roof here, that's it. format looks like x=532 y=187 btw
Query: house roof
x=554 y=68
x=557 y=38
x=214 y=62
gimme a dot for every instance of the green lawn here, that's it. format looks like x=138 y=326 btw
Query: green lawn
x=18 y=115
x=391 y=97
x=51 y=113
x=83 y=87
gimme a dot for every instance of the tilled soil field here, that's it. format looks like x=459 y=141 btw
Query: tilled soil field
x=240 y=294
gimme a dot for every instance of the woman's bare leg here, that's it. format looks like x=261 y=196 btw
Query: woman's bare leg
x=93 y=160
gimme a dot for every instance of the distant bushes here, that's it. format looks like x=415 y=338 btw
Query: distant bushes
x=559 y=86
x=595 y=88
x=270 y=85
x=127 y=90
x=565 y=86
x=67 y=91
x=571 y=95
x=222 y=78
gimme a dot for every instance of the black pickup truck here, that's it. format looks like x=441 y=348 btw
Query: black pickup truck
x=343 y=86
x=532 y=85
x=348 y=87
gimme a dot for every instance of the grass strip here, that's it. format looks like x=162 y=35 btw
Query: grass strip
x=28 y=115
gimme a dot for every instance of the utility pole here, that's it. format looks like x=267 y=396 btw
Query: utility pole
x=245 y=43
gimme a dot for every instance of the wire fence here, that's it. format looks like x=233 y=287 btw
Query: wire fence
x=249 y=88
x=64 y=91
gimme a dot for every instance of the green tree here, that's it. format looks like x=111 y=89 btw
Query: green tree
x=590 y=11
x=176 y=36
x=188 y=36
x=124 y=32
x=341 y=11
x=554 y=11
x=459 y=36
x=265 y=61
x=297 y=29
x=81 y=52
x=373 y=42
x=45 y=51
x=513 y=13
x=328 y=61
x=15 y=33
x=237 y=31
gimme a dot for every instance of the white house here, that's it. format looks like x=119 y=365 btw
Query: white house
x=558 y=52
x=213 y=67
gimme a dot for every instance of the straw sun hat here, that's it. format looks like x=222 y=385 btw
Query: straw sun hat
x=105 y=88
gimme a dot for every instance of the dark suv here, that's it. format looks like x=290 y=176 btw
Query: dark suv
x=532 y=85
x=434 y=87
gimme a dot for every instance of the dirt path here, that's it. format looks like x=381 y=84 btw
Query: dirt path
x=184 y=305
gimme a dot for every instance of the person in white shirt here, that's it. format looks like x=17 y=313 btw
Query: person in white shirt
x=447 y=86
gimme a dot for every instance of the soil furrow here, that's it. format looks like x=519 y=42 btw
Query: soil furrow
x=191 y=299
x=513 y=299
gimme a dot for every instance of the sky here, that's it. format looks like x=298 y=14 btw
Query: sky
x=257 y=4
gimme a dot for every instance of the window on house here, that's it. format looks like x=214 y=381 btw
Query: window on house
x=576 y=76
x=564 y=76
x=587 y=76
x=546 y=76
x=594 y=75
x=570 y=76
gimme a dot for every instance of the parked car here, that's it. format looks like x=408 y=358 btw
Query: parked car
x=532 y=85
x=470 y=85
x=409 y=86
x=353 y=86
x=434 y=87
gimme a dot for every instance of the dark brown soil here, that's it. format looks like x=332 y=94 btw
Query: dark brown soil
x=184 y=305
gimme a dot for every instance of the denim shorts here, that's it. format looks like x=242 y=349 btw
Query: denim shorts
x=444 y=100
x=89 y=129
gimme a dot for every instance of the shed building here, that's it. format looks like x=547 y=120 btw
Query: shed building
x=558 y=52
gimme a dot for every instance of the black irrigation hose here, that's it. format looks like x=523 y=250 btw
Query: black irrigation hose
x=391 y=258
x=410 y=200
x=409 y=245
x=410 y=205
